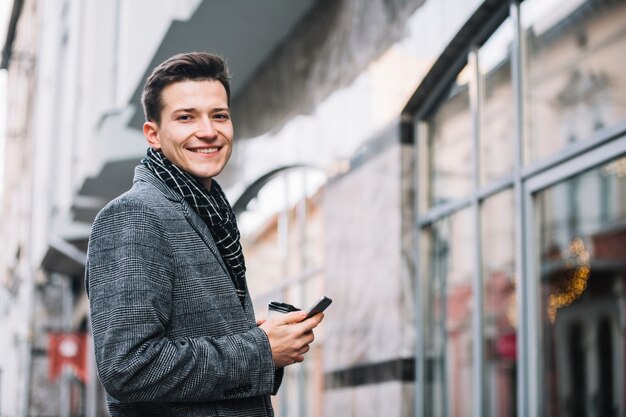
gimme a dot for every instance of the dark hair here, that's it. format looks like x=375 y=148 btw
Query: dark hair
x=193 y=66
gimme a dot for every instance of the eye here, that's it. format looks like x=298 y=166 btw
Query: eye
x=222 y=116
x=183 y=117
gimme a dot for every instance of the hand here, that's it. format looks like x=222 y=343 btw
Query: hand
x=290 y=336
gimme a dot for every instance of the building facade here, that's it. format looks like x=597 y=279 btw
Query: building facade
x=451 y=173
x=520 y=200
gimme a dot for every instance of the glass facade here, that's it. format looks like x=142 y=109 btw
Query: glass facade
x=582 y=285
x=497 y=116
x=500 y=303
x=450 y=146
x=575 y=72
x=522 y=194
x=450 y=304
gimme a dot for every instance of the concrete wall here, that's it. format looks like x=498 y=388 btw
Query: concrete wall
x=332 y=47
x=16 y=274
x=67 y=69
x=368 y=273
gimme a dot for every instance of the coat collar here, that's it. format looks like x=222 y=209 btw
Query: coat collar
x=143 y=174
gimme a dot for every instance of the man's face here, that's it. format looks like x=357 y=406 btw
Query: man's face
x=195 y=132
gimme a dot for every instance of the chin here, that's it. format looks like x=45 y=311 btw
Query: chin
x=206 y=175
x=205 y=172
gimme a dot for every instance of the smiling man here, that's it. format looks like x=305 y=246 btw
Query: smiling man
x=173 y=325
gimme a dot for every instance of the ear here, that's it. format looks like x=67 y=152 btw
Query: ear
x=151 y=133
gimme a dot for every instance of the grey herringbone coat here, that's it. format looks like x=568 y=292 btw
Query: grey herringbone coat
x=170 y=334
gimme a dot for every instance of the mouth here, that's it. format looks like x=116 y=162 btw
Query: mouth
x=205 y=151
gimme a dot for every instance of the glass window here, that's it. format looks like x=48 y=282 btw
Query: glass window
x=582 y=273
x=576 y=83
x=450 y=300
x=500 y=309
x=450 y=146
x=497 y=119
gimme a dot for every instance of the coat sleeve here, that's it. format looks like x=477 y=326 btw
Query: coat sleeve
x=129 y=282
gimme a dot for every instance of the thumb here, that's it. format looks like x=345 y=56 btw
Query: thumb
x=293 y=317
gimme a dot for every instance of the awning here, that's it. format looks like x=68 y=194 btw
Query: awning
x=244 y=32
x=64 y=258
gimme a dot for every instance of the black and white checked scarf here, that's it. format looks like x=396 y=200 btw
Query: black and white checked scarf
x=214 y=209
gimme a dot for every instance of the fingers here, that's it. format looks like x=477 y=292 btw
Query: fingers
x=290 y=336
x=299 y=357
x=311 y=323
x=291 y=318
x=296 y=321
x=307 y=338
x=290 y=347
x=318 y=318
x=260 y=322
x=299 y=317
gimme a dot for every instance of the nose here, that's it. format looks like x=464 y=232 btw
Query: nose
x=206 y=129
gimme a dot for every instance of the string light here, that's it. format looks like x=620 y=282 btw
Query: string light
x=575 y=280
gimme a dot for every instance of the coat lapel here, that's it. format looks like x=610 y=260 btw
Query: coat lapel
x=194 y=219
x=203 y=231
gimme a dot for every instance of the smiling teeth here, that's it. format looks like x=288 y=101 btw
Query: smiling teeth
x=209 y=150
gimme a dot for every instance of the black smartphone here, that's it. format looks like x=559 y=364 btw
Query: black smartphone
x=318 y=307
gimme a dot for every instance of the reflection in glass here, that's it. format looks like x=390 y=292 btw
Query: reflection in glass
x=576 y=83
x=450 y=146
x=582 y=235
x=497 y=150
x=500 y=309
x=449 y=367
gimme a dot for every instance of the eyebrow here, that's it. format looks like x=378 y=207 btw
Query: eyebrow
x=185 y=110
x=193 y=109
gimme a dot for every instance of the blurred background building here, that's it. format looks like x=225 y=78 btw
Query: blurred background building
x=452 y=173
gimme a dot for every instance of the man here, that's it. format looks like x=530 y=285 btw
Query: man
x=173 y=325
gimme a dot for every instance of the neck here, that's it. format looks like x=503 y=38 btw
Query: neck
x=206 y=182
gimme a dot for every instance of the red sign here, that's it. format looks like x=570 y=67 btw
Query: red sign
x=68 y=350
x=506 y=345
